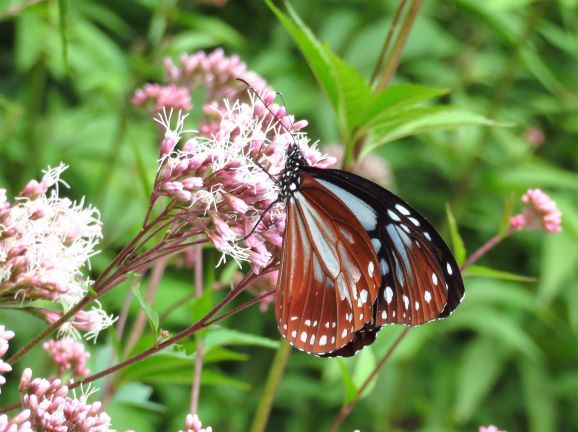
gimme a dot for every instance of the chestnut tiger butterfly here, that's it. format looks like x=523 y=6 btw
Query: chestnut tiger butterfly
x=354 y=258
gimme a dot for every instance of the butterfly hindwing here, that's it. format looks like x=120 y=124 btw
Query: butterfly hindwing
x=328 y=279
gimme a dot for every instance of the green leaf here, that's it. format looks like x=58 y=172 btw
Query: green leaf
x=220 y=336
x=419 y=120
x=558 y=266
x=354 y=95
x=486 y=272
x=397 y=98
x=151 y=314
x=457 y=241
x=479 y=369
x=311 y=49
x=538 y=394
x=499 y=326
x=364 y=366
x=349 y=387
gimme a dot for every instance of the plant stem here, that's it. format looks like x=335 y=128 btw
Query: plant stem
x=202 y=323
x=140 y=321
x=387 y=42
x=392 y=62
x=273 y=380
x=196 y=387
x=485 y=248
x=349 y=406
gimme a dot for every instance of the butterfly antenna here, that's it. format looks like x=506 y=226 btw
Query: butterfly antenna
x=261 y=216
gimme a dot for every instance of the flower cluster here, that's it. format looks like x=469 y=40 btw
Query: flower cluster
x=45 y=241
x=5 y=336
x=539 y=212
x=193 y=424
x=51 y=408
x=215 y=72
x=68 y=354
x=226 y=182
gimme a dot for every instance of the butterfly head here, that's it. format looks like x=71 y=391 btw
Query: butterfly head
x=290 y=178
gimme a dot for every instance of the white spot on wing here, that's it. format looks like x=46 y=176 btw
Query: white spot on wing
x=402 y=209
x=384 y=314
x=449 y=268
x=383 y=266
x=393 y=216
x=376 y=244
x=344 y=333
x=308 y=323
x=388 y=294
x=323 y=340
x=363 y=295
x=426 y=235
x=294 y=333
x=434 y=278
x=405 y=301
x=312 y=340
x=416 y=305
x=414 y=221
x=427 y=296
x=370 y=268
x=303 y=336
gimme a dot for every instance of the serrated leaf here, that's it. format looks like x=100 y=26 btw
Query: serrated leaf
x=420 y=120
x=457 y=241
x=151 y=314
x=311 y=49
x=354 y=95
x=399 y=97
x=490 y=273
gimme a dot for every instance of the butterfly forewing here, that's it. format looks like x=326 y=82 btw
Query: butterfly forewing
x=329 y=277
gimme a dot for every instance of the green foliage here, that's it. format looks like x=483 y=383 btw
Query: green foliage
x=507 y=356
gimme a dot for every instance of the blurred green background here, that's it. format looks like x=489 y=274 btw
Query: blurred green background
x=508 y=356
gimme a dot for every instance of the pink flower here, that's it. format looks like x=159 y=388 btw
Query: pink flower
x=45 y=243
x=490 y=429
x=18 y=423
x=170 y=96
x=193 y=424
x=223 y=184
x=51 y=408
x=5 y=336
x=539 y=212
x=68 y=354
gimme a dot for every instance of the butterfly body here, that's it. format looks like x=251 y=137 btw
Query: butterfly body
x=355 y=257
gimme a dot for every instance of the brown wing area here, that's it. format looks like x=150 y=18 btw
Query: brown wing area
x=413 y=289
x=329 y=277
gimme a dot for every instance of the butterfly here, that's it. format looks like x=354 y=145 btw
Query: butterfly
x=355 y=257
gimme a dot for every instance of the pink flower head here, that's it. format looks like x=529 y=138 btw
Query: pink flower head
x=223 y=184
x=539 y=212
x=490 y=429
x=193 y=424
x=217 y=73
x=5 y=336
x=51 y=409
x=68 y=354
x=45 y=244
